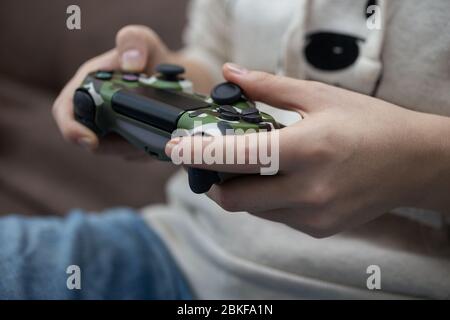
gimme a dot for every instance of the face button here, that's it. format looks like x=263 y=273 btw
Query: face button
x=252 y=118
x=229 y=116
x=104 y=75
x=226 y=93
x=228 y=109
x=249 y=111
x=130 y=77
x=170 y=72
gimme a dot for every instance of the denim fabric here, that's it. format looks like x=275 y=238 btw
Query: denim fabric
x=119 y=257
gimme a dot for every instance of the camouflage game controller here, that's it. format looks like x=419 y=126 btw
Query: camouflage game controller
x=147 y=110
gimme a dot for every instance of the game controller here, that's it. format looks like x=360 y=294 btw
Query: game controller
x=146 y=110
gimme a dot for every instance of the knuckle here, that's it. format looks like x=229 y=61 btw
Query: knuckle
x=58 y=107
x=321 y=149
x=318 y=87
x=87 y=67
x=69 y=132
x=265 y=80
x=267 y=77
x=320 y=233
x=55 y=107
x=127 y=31
x=319 y=195
x=135 y=31
x=321 y=225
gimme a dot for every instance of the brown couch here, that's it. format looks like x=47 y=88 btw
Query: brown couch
x=39 y=172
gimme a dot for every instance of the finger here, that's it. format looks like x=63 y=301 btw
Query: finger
x=277 y=91
x=263 y=152
x=138 y=48
x=63 y=107
x=264 y=201
x=251 y=193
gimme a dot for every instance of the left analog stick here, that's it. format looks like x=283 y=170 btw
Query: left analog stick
x=170 y=72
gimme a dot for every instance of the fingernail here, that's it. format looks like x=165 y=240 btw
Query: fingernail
x=236 y=69
x=85 y=143
x=171 y=144
x=132 y=60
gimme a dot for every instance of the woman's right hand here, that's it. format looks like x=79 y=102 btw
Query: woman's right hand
x=138 y=49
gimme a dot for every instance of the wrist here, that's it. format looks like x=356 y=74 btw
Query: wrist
x=432 y=156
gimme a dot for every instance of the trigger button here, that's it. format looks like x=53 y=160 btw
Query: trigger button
x=84 y=105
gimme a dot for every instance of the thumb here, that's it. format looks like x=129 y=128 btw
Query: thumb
x=135 y=45
x=277 y=91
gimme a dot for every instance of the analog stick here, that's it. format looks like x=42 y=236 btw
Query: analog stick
x=170 y=72
x=226 y=94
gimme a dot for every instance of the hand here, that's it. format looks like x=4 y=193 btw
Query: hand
x=138 y=49
x=351 y=159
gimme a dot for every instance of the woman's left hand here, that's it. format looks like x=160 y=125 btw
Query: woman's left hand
x=351 y=159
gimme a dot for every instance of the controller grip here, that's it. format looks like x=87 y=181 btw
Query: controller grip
x=84 y=109
x=201 y=180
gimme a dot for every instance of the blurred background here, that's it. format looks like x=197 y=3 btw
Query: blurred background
x=40 y=174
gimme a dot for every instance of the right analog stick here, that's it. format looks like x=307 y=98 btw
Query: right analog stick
x=226 y=94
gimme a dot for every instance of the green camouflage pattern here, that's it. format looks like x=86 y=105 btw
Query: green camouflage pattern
x=104 y=90
x=205 y=121
x=210 y=122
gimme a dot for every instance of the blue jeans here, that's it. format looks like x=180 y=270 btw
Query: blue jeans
x=118 y=256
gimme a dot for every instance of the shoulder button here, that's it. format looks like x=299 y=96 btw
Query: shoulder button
x=84 y=105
